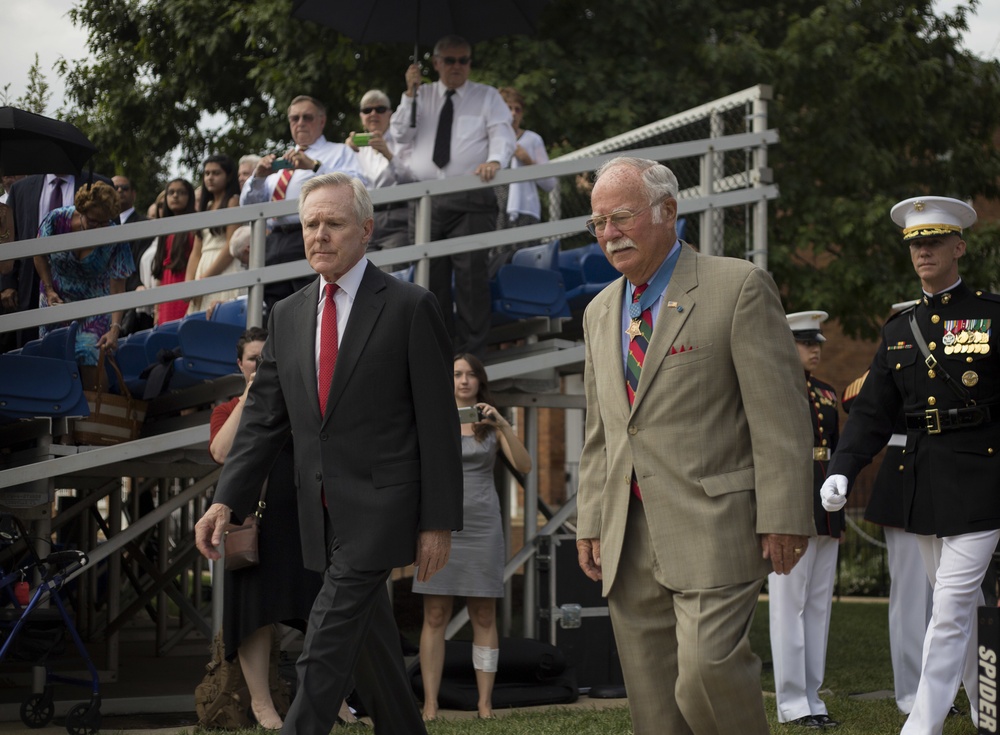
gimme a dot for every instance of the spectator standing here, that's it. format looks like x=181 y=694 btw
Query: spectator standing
x=142 y=318
x=85 y=273
x=382 y=167
x=210 y=255
x=800 y=601
x=245 y=168
x=523 y=204
x=30 y=199
x=683 y=538
x=312 y=154
x=938 y=365
x=279 y=589
x=173 y=251
x=462 y=128
x=475 y=566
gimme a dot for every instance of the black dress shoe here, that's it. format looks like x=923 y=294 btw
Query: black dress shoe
x=954 y=711
x=825 y=721
x=807 y=721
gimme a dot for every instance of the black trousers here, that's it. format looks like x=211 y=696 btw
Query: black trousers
x=352 y=630
x=461 y=281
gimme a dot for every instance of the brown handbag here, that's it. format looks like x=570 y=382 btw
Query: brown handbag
x=240 y=542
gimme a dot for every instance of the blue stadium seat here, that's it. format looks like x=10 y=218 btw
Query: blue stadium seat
x=232 y=312
x=208 y=351
x=40 y=386
x=569 y=264
x=521 y=292
x=592 y=273
x=59 y=344
x=544 y=256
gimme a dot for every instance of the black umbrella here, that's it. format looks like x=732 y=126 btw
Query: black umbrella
x=421 y=21
x=35 y=144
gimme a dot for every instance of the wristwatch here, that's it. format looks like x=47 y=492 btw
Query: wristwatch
x=316 y=167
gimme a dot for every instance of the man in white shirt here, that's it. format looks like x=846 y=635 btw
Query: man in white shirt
x=133 y=320
x=312 y=154
x=481 y=142
x=382 y=167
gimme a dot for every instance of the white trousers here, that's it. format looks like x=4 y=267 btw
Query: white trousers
x=799 y=606
x=909 y=613
x=955 y=567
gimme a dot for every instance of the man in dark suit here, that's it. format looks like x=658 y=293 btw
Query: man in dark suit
x=30 y=200
x=377 y=454
x=133 y=320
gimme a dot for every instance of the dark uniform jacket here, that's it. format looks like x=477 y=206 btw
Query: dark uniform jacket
x=950 y=473
x=825 y=424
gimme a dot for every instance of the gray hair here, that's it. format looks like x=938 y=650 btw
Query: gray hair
x=363 y=209
x=376 y=97
x=239 y=243
x=659 y=180
x=451 y=42
x=252 y=158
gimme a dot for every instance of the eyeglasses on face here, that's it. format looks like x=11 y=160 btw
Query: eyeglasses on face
x=123 y=187
x=306 y=117
x=452 y=60
x=256 y=360
x=377 y=108
x=622 y=219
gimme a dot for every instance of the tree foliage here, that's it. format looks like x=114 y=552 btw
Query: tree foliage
x=875 y=102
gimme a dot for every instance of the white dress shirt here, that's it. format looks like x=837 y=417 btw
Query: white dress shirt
x=68 y=193
x=523 y=198
x=123 y=217
x=331 y=156
x=379 y=170
x=344 y=297
x=480 y=132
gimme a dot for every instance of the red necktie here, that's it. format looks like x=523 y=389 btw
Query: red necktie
x=327 y=346
x=639 y=334
x=282 y=186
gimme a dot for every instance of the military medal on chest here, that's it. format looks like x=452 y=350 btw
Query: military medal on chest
x=633 y=330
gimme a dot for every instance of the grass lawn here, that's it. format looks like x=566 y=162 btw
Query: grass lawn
x=858 y=662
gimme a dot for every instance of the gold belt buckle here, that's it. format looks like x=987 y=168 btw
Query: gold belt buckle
x=933 y=419
x=821 y=454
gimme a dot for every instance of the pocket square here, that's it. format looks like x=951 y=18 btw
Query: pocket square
x=683 y=348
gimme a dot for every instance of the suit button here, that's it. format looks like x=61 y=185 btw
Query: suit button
x=898 y=366
x=633 y=430
x=935 y=319
x=628 y=479
x=900 y=468
x=323 y=437
x=990 y=450
x=319 y=477
x=931 y=400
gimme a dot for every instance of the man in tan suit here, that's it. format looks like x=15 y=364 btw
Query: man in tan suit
x=696 y=462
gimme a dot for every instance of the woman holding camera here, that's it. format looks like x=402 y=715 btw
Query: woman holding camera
x=475 y=566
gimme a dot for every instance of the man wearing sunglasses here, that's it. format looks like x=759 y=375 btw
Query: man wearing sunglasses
x=279 y=176
x=695 y=472
x=382 y=167
x=461 y=128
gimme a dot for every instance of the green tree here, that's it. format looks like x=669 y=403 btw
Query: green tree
x=36 y=95
x=875 y=101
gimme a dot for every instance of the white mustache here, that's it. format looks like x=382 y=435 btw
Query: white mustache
x=622 y=243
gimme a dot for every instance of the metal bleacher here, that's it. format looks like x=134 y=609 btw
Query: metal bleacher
x=132 y=505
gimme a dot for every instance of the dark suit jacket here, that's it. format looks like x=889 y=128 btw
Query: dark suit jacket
x=138 y=248
x=387 y=454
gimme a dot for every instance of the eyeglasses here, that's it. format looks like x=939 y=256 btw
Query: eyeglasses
x=123 y=187
x=452 y=60
x=308 y=117
x=256 y=360
x=622 y=219
x=378 y=108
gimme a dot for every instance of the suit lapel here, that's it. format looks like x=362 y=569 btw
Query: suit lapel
x=675 y=308
x=368 y=304
x=608 y=359
x=304 y=318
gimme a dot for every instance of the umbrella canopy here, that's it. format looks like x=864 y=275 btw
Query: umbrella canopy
x=422 y=21
x=35 y=144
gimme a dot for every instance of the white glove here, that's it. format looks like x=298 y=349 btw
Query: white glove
x=833 y=493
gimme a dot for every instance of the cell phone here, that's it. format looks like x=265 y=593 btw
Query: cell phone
x=469 y=414
x=280 y=163
x=361 y=139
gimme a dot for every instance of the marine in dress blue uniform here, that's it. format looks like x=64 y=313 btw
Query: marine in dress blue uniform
x=800 y=601
x=938 y=365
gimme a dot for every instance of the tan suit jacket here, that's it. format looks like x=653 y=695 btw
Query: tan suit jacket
x=719 y=435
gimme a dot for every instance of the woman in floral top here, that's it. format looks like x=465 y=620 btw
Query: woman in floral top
x=86 y=273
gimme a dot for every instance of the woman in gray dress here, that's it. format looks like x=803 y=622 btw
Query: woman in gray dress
x=475 y=566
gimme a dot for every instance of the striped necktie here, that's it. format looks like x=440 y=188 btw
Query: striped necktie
x=639 y=331
x=281 y=188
